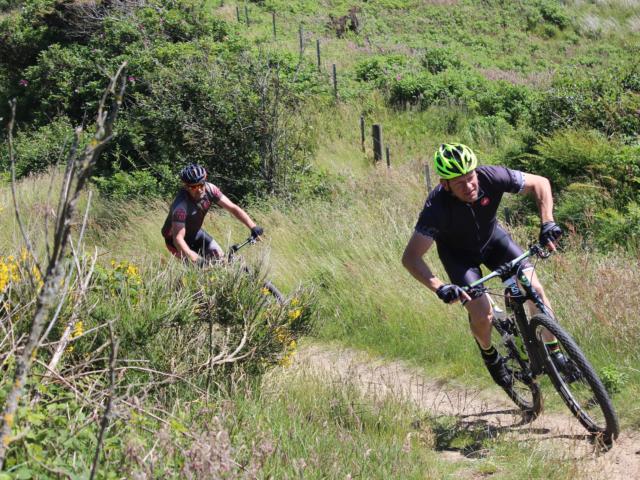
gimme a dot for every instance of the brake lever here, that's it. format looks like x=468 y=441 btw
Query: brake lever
x=540 y=251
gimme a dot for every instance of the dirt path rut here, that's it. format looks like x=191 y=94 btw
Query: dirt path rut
x=478 y=409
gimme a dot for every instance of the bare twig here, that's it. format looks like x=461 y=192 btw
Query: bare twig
x=107 y=409
x=12 y=159
x=79 y=170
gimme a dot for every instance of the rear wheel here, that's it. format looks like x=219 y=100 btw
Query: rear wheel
x=577 y=382
x=524 y=390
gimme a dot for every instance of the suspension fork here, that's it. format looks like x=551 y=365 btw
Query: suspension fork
x=523 y=323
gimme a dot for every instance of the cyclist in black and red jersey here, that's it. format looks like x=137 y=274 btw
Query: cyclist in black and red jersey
x=460 y=217
x=182 y=230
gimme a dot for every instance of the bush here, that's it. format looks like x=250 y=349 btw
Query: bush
x=596 y=180
x=439 y=59
x=606 y=102
x=195 y=94
x=123 y=185
x=378 y=68
x=36 y=150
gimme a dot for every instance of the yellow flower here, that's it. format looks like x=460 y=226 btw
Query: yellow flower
x=295 y=314
x=24 y=254
x=78 y=329
x=265 y=291
x=282 y=335
x=294 y=302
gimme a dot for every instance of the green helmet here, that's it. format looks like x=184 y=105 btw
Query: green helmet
x=454 y=160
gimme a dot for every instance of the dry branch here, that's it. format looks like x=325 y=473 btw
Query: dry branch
x=78 y=171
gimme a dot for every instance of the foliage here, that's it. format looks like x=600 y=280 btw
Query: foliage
x=605 y=101
x=40 y=148
x=196 y=94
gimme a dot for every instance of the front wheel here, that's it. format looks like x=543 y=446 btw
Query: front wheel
x=524 y=390
x=576 y=381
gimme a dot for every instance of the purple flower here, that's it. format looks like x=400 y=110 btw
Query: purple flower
x=398 y=77
x=23 y=83
x=131 y=79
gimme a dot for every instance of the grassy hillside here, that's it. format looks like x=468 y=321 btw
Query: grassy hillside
x=543 y=85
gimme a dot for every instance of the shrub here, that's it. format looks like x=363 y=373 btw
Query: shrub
x=38 y=149
x=619 y=227
x=378 y=68
x=605 y=102
x=438 y=59
x=122 y=185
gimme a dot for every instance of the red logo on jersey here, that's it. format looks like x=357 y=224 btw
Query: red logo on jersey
x=484 y=201
x=180 y=215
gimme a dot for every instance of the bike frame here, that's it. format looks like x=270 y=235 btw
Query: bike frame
x=518 y=293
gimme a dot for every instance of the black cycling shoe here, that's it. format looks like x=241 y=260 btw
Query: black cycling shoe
x=565 y=367
x=500 y=372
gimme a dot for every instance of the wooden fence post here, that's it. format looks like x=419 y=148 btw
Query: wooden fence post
x=238 y=13
x=301 y=35
x=246 y=13
x=318 y=52
x=362 y=132
x=376 y=133
x=388 y=159
x=335 y=81
x=427 y=175
x=273 y=21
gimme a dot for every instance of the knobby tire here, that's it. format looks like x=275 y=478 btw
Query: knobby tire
x=569 y=389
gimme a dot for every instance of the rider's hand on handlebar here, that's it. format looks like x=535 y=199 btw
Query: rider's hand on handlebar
x=549 y=233
x=449 y=293
x=256 y=232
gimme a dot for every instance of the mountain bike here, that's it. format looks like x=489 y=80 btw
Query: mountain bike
x=521 y=343
x=231 y=257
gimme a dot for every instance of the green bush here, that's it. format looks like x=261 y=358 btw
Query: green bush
x=619 y=227
x=605 y=101
x=195 y=93
x=123 y=185
x=439 y=59
x=36 y=150
x=378 y=68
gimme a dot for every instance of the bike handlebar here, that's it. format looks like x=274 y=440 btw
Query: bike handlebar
x=507 y=270
x=234 y=248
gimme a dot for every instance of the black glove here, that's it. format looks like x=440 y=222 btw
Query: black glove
x=448 y=292
x=256 y=231
x=549 y=232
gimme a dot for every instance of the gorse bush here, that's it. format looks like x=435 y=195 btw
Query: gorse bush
x=182 y=334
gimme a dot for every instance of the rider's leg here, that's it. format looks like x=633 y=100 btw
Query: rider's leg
x=207 y=247
x=480 y=320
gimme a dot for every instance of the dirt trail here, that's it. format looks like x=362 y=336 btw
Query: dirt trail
x=559 y=433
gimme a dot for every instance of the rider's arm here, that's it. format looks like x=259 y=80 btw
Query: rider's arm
x=540 y=188
x=236 y=211
x=412 y=260
x=178 y=232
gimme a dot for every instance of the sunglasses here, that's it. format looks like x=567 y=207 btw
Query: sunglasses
x=196 y=186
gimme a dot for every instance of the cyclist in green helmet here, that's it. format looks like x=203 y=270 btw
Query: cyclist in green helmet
x=459 y=216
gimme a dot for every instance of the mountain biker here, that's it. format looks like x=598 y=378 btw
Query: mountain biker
x=182 y=230
x=460 y=217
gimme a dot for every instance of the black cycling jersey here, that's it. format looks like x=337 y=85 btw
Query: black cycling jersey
x=468 y=234
x=468 y=227
x=185 y=211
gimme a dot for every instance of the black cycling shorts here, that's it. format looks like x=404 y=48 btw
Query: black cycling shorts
x=203 y=244
x=463 y=268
